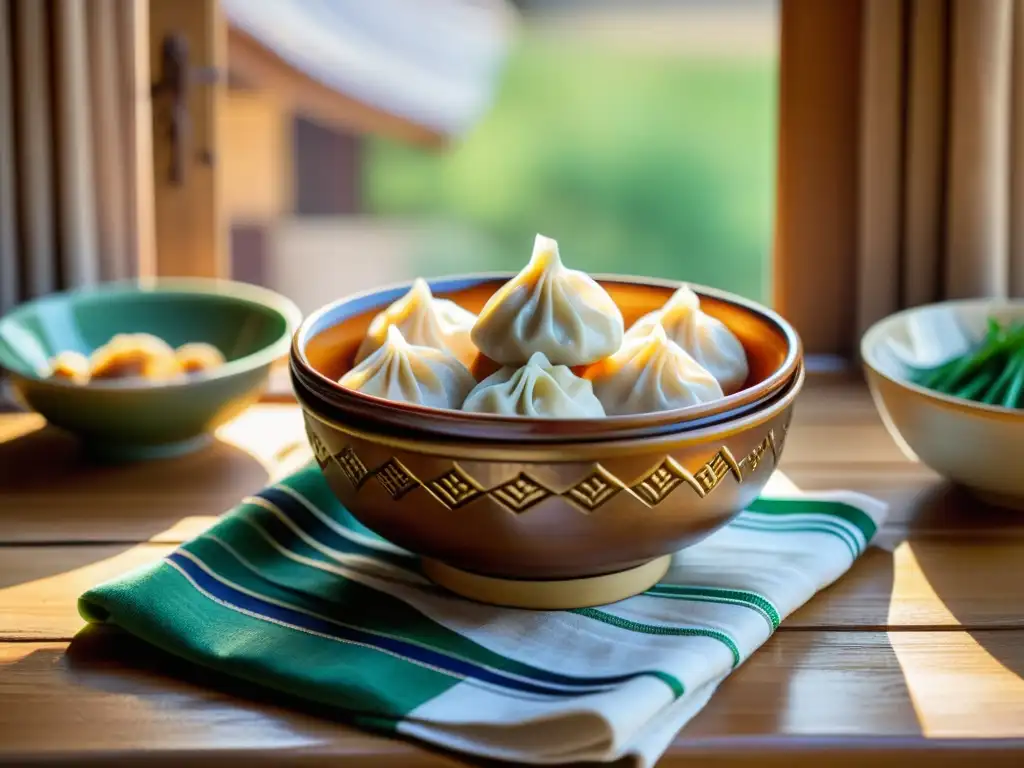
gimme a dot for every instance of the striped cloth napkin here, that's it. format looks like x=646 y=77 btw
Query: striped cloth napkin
x=289 y=591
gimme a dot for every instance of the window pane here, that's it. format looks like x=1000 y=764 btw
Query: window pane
x=639 y=134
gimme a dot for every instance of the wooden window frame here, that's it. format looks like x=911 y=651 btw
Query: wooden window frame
x=816 y=218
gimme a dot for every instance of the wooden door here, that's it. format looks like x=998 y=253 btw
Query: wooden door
x=187 y=61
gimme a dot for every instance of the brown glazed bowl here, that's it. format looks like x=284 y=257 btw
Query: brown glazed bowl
x=326 y=343
x=579 y=514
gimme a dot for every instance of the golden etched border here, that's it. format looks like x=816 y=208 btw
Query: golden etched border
x=456 y=487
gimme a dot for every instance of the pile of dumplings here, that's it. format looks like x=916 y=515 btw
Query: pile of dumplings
x=139 y=356
x=562 y=345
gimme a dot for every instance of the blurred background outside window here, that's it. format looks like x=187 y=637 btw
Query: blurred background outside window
x=639 y=133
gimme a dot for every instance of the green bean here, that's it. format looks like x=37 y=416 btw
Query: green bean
x=994 y=393
x=972 y=362
x=977 y=385
x=927 y=377
x=931 y=376
x=1012 y=396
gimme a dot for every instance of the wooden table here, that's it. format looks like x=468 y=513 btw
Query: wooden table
x=918 y=653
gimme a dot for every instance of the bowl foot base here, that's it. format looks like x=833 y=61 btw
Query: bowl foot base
x=118 y=453
x=553 y=595
x=996 y=499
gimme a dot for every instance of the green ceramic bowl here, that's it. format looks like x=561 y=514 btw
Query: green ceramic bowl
x=251 y=326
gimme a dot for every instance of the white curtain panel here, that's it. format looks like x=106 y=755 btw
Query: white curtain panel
x=942 y=153
x=67 y=168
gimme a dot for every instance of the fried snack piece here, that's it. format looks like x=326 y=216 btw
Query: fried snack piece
x=135 y=355
x=70 y=366
x=198 y=356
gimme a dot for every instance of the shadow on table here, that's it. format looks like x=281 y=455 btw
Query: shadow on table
x=236 y=714
x=954 y=513
x=815 y=675
x=50 y=460
x=52 y=496
x=814 y=679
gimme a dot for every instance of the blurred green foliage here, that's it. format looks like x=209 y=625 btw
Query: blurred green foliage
x=636 y=162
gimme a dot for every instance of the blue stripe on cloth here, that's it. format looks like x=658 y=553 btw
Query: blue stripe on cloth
x=568 y=686
x=296 y=512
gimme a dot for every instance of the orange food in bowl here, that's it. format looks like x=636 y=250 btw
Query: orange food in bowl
x=70 y=366
x=198 y=356
x=135 y=355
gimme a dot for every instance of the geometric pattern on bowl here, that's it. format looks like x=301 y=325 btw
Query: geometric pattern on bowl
x=455 y=487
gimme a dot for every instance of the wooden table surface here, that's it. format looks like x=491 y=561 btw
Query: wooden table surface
x=917 y=653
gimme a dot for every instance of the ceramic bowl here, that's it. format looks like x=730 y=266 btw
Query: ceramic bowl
x=972 y=444
x=325 y=346
x=131 y=420
x=581 y=515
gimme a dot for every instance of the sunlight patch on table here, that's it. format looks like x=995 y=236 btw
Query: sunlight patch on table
x=272 y=434
x=12 y=653
x=16 y=425
x=45 y=607
x=779 y=484
x=958 y=689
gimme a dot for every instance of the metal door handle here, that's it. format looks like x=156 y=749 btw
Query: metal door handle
x=176 y=79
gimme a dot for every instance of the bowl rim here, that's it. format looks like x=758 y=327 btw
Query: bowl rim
x=873 y=335
x=498 y=450
x=247 y=293
x=314 y=323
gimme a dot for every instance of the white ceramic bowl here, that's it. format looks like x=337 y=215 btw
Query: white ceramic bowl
x=978 y=446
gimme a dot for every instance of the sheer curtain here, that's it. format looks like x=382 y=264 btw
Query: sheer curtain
x=941 y=187
x=67 y=144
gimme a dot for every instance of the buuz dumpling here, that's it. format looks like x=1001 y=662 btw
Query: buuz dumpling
x=538 y=389
x=424 y=321
x=649 y=374
x=548 y=308
x=706 y=338
x=409 y=373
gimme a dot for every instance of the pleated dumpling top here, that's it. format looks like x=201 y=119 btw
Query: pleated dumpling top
x=410 y=373
x=539 y=389
x=548 y=308
x=649 y=374
x=707 y=339
x=424 y=321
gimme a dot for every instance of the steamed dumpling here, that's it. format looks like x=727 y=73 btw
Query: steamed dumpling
x=409 y=373
x=706 y=338
x=547 y=308
x=425 y=322
x=649 y=374
x=539 y=389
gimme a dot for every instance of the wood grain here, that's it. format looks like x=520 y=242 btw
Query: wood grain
x=970 y=581
x=814 y=259
x=49 y=494
x=40 y=586
x=805 y=695
x=916 y=653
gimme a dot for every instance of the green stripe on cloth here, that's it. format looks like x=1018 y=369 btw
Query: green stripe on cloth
x=251 y=564
x=289 y=591
x=751 y=600
x=212 y=634
x=297 y=535
x=657 y=629
x=797 y=527
x=309 y=484
x=847 y=512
